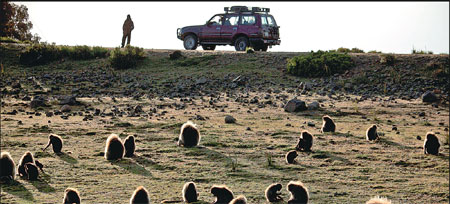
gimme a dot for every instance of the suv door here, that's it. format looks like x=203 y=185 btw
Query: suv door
x=229 y=28
x=211 y=31
x=248 y=24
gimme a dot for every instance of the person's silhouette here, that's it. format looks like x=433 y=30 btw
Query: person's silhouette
x=127 y=27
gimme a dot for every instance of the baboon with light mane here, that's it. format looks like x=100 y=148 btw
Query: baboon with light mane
x=32 y=171
x=371 y=133
x=241 y=199
x=378 y=200
x=290 y=156
x=8 y=167
x=189 y=192
x=71 y=195
x=114 y=148
x=130 y=146
x=222 y=193
x=328 y=124
x=431 y=144
x=272 y=192
x=305 y=142
x=189 y=135
x=299 y=193
x=27 y=158
x=56 y=142
x=140 y=195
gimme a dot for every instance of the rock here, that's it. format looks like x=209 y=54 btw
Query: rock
x=311 y=124
x=16 y=86
x=201 y=81
x=68 y=100
x=419 y=138
x=49 y=114
x=175 y=55
x=429 y=97
x=421 y=114
x=230 y=119
x=138 y=109
x=314 y=105
x=295 y=105
x=65 y=108
x=38 y=101
x=26 y=98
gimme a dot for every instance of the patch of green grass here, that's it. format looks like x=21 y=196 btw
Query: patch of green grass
x=194 y=61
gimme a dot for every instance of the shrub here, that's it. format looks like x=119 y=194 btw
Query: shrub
x=374 y=51
x=343 y=49
x=39 y=54
x=100 y=52
x=126 y=58
x=81 y=52
x=356 y=50
x=320 y=63
x=8 y=40
x=249 y=50
x=387 y=59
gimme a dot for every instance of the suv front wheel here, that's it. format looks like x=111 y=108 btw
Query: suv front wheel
x=190 y=42
x=241 y=43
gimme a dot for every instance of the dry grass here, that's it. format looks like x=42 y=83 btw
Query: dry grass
x=342 y=167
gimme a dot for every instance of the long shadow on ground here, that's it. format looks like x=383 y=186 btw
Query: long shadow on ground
x=17 y=189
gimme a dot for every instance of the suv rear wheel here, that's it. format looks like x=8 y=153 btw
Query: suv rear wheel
x=209 y=47
x=190 y=42
x=241 y=43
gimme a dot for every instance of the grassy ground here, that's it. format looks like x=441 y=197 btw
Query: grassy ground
x=247 y=156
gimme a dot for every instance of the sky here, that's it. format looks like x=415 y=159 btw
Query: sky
x=390 y=27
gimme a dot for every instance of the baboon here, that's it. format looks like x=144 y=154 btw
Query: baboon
x=56 y=142
x=378 y=200
x=129 y=145
x=189 y=135
x=431 y=144
x=26 y=158
x=241 y=199
x=328 y=124
x=272 y=194
x=8 y=167
x=71 y=195
x=140 y=195
x=371 y=133
x=114 y=148
x=299 y=193
x=305 y=142
x=290 y=156
x=32 y=171
x=222 y=193
x=189 y=192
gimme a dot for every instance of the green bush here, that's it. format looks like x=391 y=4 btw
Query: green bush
x=374 y=51
x=8 y=40
x=38 y=54
x=346 y=50
x=126 y=58
x=318 y=64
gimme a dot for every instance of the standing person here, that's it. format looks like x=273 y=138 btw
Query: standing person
x=127 y=27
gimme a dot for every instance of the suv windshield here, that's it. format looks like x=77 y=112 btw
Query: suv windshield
x=268 y=20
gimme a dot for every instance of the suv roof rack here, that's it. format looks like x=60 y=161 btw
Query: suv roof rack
x=244 y=9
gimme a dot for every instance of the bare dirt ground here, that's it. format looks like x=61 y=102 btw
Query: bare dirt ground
x=247 y=156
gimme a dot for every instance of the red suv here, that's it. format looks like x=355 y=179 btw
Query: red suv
x=239 y=26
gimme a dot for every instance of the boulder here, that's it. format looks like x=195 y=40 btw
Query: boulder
x=429 y=97
x=295 y=105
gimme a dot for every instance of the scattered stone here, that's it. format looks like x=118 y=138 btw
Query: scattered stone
x=429 y=97
x=38 y=101
x=419 y=138
x=230 y=119
x=248 y=128
x=314 y=105
x=421 y=114
x=69 y=100
x=65 y=108
x=394 y=128
x=311 y=124
x=175 y=55
x=295 y=105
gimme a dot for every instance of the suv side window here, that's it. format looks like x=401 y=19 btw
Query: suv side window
x=271 y=21
x=231 y=20
x=248 y=20
x=216 y=20
x=264 y=20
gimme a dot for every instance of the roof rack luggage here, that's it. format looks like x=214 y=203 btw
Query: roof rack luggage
x=242 y=9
